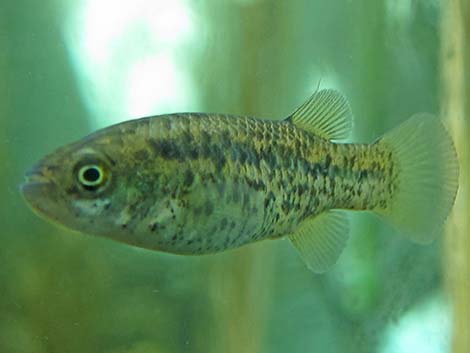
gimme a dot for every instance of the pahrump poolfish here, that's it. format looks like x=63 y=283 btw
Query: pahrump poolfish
x=202 y=183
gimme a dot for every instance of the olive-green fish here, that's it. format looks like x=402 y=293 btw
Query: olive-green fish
x=204 y=183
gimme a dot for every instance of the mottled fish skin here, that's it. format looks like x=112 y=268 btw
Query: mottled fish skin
x=202 y=183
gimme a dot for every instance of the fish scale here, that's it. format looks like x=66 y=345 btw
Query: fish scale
x=197 y=183
x=286 y=161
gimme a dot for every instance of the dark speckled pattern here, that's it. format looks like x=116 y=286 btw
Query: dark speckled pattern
x=203 y=183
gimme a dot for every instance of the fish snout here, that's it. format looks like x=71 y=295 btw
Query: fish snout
x=37 y=183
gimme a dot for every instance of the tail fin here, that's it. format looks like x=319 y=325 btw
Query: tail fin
x=427 y=183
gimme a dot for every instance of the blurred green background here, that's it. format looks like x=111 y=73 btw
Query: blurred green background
x=70 y=67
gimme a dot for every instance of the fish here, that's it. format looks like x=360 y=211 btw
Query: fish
x=197 y=183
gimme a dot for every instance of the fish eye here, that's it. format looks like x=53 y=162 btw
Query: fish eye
x=91 y=176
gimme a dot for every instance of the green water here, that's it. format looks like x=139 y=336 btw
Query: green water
x=69 y=67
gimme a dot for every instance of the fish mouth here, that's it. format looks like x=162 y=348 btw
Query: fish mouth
x=35 y=175
x=37 y=191
x=29 y=186
x=35 y=187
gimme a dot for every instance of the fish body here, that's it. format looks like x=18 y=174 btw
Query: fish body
x=202 y=183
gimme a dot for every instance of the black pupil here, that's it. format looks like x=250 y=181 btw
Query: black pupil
x=91 y=175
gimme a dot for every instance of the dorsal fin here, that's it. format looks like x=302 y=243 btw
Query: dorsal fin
x=321 y=239
x=326 y=114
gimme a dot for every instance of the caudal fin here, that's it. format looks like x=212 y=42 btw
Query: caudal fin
x=427 y=178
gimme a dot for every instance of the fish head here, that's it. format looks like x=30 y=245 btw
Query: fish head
x=75 y=186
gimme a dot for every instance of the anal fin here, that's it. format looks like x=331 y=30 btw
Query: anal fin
x=321 y=239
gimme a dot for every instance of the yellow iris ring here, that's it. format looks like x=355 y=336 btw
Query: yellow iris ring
x=91 y=176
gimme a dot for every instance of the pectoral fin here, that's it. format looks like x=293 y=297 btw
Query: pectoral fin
x=321 y=239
